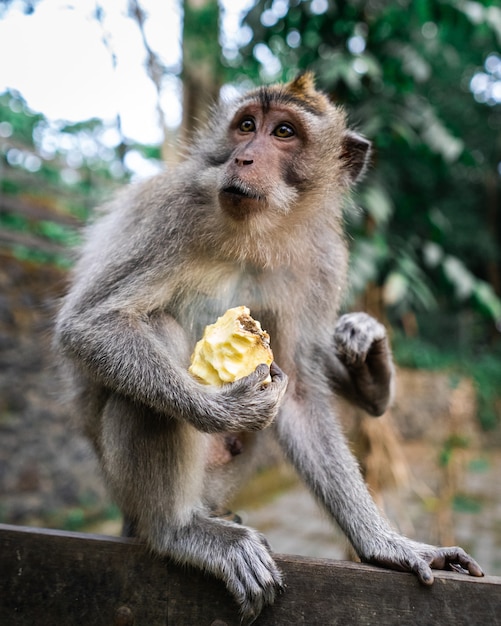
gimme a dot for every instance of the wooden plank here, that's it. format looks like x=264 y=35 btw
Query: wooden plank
x=53 y=578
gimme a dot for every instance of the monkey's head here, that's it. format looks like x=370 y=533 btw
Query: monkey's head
x=280 y=145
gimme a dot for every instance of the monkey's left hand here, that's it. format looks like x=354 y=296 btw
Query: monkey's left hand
x=361 y=367
x=419 y=558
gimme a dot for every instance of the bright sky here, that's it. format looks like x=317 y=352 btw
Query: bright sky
x=57 y=59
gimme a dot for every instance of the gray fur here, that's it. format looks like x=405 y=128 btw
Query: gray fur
x=163 y=261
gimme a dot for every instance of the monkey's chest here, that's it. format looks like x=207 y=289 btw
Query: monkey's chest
x=203 y=302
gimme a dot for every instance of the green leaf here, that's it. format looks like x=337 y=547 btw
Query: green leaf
x=486 y=297
x=460 y=277
x=378 y=203
x=396 y=288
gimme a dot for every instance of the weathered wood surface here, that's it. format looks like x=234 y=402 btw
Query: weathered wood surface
x=52 y=578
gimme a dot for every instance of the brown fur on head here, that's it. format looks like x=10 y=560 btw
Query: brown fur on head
x=300 y=92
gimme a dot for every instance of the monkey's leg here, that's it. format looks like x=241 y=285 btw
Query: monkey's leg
x=156 y=469
x=310 y=436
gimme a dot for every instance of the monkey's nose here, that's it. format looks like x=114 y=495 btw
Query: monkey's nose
x=241 y=162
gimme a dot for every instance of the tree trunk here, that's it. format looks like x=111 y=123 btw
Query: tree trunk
x=202 y=71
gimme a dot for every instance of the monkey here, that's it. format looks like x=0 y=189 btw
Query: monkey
x=252 y=215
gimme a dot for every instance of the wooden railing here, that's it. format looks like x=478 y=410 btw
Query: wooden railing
x=53 y=578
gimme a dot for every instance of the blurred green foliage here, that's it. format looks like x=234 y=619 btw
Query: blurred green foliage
x=481 y=365
x=52 y=175
x=422 y=80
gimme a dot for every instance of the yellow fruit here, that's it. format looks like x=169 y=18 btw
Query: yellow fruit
x=231 y=348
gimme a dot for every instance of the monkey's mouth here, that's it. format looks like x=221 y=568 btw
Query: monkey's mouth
x=241 y=192
x=240 y=201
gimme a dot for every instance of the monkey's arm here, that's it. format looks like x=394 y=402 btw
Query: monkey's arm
x=143 y=357
x=360 y=366
x=311 y=438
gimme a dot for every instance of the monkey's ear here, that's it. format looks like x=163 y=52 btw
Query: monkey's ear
x=355 y=153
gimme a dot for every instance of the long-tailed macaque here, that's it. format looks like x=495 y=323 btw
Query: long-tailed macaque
x=253 y=216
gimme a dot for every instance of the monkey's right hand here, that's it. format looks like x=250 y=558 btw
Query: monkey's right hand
x=252 y=402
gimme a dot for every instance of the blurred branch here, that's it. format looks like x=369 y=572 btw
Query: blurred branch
x=11 y=238
x=14 y=204
x=155 y=69
x=108 y=44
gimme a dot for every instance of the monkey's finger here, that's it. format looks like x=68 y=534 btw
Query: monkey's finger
x=473 y=568
x=260 y=580
x=276 y=372
x=457 y=559
x=259 y=377
x=378 y=349
x=262 y=373
x=262 y=370
x=422 y=571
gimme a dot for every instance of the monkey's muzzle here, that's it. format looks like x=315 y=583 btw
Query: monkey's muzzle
x=239 y=200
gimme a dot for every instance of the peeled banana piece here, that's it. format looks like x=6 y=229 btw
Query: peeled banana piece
x=231 y=348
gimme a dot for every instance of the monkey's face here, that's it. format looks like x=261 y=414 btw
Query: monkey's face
x=264 y=170
x=286 y=150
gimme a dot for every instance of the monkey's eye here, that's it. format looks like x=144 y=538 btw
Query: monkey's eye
x=247 y=126
x=283 y=131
